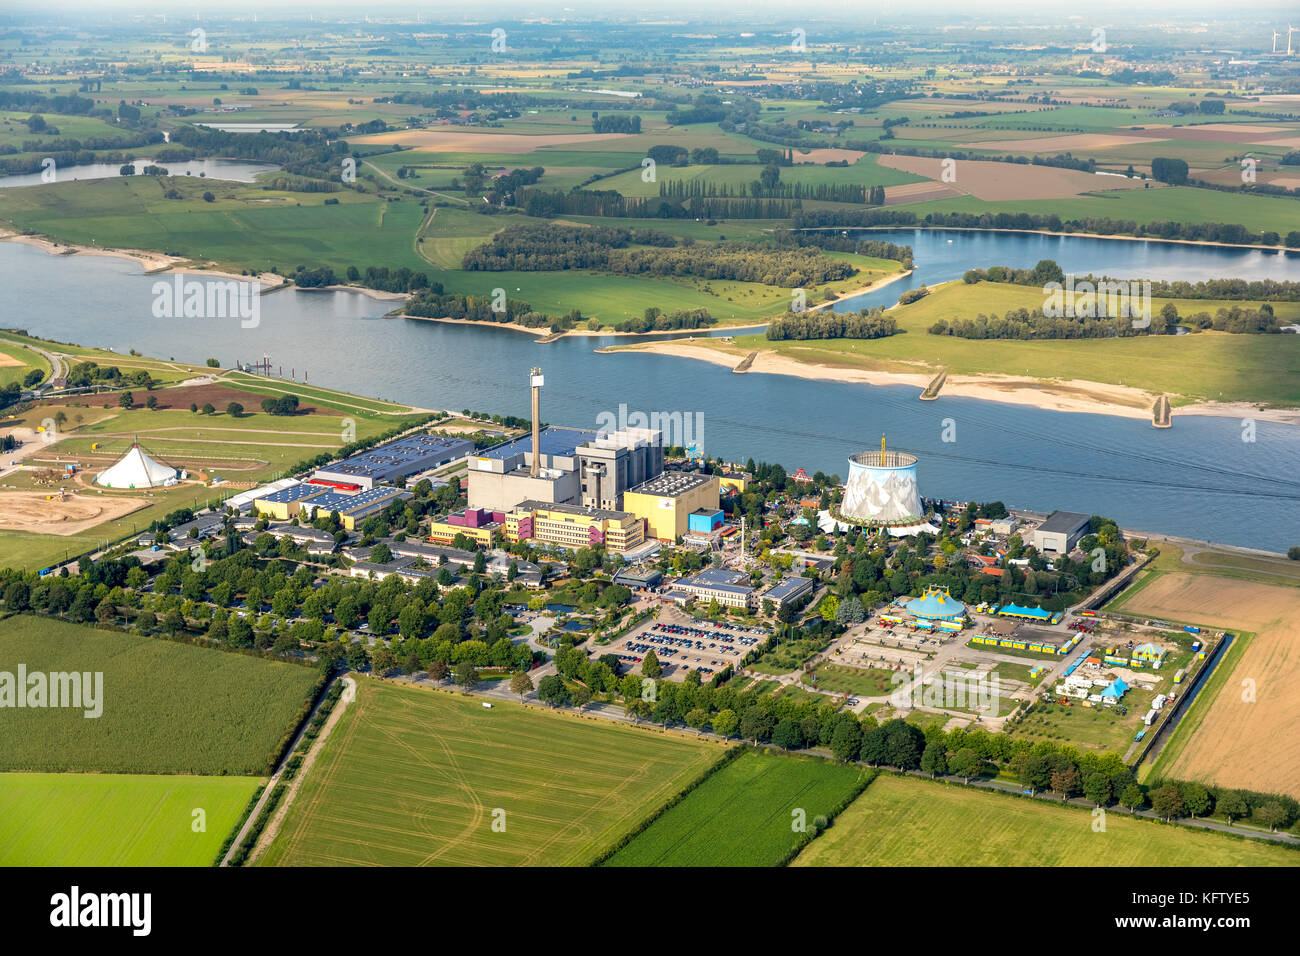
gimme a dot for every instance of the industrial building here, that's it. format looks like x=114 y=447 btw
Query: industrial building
x=564 y=466
x=284 y=503
x=352 y=509
x=391 y=461
x=668 y=501
x=1060 y=532
x=573 y=526
x=881 y=488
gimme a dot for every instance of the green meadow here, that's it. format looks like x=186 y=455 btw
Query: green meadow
x=104 y=819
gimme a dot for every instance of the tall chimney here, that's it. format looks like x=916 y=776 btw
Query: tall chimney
x=535 y=381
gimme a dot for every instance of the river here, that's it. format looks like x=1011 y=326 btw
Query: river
x=1198 y=479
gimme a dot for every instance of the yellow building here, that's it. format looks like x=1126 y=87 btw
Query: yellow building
x=284 y=503
x=736 y=482
x=666 y=502
x=573 y=526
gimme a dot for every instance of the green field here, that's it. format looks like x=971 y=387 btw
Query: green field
x=843 y=679
x=167 y=707
x=412 y=777
x=117 y=820
x=744 y=814
x=905 y=821
x=1204 y=366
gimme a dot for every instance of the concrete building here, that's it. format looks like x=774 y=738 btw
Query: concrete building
x=574 y=466
x=667 y=502
x=502 y=477
x=1060 y=532
x=610 y=464
x=391 y=461
x=728 y=588
x=284 y=503
x=788 y=590
x=573 y=526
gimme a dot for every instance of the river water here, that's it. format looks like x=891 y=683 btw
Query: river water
x=1198 y=479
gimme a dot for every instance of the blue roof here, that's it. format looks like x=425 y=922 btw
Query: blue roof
x=1015 y=610
x=1115 y=689
x=553 y=440
x=347 y=504
x=936 y=604
x=407 y=453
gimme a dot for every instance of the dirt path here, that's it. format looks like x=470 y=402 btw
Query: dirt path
x=277 y=820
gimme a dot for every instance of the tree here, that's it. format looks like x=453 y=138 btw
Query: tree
x=521 y=684
x=1132 y=797
x=208 y=197
x=697 y=718
x=650 y=665
x=126 y=400
x=725 y=722
x=466 y=674
x=846 y=741
x=1066 y=782
x=234 y=409
x=151 y=402
x=552 y=692
x=787 y=734
x=755 y=724
x=1033 y=772
x=438 y=671
x=1293 y=553
x=934 y=760
x=209 y=408
x=1271 y=815
x=1231 y=804
x=1196 y=799
x=381 y=554
x=1167 y=802
x=1096 y=787
x=964 y=763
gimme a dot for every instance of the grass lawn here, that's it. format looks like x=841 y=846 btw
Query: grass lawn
x=905 y=821
x=1096 y=728
x=74 y=819
x=412 y=777
x=743 y=815
x=865 y=681
x=167 y=707
x=788 y=655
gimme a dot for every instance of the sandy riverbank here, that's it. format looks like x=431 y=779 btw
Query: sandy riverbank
x=148 y=261
x=1057 y=395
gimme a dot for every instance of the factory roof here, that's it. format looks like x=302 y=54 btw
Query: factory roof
x=350 y=504
x=409 y=450
x=1065 y=521
x=577 y=510
x=672 y=484
x=716 y=577
x=552 y=440
x=294 y=493
x=787 y=588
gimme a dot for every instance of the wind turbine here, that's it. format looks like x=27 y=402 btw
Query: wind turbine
x=1275 y=36
x=1289 y=30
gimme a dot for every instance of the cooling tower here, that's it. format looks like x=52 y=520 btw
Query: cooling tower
x=881 y=488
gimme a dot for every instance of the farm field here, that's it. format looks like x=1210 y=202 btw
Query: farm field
x=905 y=821
x=1226 y=739
x=742 y=815
x=413 y=777
x=83 y=820
x=166 y=708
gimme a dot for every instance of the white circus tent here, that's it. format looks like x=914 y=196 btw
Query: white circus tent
x=135 y=469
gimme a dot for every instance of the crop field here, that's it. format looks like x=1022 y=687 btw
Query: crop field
x=166 y=707
x=1231 y=737
x=73 y=819
x=744 y=814
x=905 y=821
x=413 y=777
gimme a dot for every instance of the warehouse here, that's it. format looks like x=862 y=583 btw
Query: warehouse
x=284 y=503
x=352 y=509
x=1060 y=532
x=667 y=502
x=392 y=461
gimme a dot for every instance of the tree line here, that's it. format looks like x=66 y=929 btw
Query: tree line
x=825 y=324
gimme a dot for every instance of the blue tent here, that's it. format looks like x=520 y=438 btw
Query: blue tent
x=937 y=604
x=1115 y=689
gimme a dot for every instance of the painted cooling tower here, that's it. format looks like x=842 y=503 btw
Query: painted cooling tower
x=881 y=487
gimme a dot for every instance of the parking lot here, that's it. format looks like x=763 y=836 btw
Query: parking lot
x=683 y=644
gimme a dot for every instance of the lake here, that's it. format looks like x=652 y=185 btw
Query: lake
x=1197 y=479
x=228 y=170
